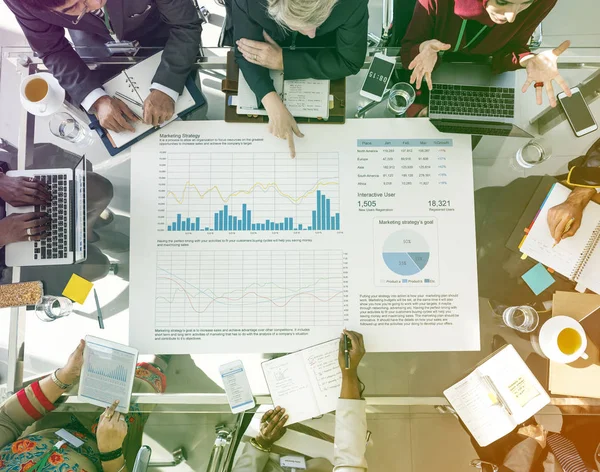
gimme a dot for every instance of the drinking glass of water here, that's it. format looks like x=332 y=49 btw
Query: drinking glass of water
x=51 y=308
x=522 y=318
x=402 y=96
x=64 y=125
x=533 y=153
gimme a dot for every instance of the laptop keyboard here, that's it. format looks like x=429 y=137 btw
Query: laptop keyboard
x=56 y=245
x=470 y=100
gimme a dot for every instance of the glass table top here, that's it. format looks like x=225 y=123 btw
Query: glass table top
x=410 y=378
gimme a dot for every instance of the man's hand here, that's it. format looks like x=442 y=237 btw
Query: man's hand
x=281 y=122
x=24 y=227
x=158 y=108
x=23 y=191
x=571 y=209
x=267 y=54
x=272 y=427
x=113 y=114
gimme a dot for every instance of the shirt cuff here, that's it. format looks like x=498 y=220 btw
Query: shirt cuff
x=88 y=102
x=166 y=90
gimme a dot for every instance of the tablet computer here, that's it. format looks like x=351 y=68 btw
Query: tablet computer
x=107 y=373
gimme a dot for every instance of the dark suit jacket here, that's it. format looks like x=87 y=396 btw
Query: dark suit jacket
x=342 y=40
x=175 y=22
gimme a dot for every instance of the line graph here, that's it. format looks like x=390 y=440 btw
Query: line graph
x=248 y=192
x=250 y=288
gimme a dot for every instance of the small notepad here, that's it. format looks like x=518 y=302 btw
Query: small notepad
x=78 y=289
x=538 y=279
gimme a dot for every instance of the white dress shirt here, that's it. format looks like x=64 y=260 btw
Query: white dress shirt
x=95 y=94
x=349 y=445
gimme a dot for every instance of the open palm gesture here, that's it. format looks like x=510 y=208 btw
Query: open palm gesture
x=543 y=69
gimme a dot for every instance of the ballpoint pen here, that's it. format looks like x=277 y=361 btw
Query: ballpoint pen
x=567 y=228
x=498 y=395
x=347 y=347
x=100 y=320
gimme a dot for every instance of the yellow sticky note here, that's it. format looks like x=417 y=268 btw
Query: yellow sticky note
x=78 y=289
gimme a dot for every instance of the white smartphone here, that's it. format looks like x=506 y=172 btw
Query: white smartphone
x=578 y=113
x=237 y=387
x=378 y=77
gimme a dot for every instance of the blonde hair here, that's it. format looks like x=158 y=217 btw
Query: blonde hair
x=300 y=13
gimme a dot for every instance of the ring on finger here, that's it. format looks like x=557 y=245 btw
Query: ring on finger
x=29 y=232
x=28 y=238
x=256 y=57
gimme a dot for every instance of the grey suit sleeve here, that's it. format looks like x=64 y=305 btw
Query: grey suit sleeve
x=183 y=44
x=49 y=42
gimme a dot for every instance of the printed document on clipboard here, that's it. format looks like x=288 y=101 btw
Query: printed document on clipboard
x=107 y=374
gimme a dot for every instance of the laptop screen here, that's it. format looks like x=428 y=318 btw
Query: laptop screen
x=80 y=204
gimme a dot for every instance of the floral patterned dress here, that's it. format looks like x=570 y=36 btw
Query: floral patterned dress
x=29 y=405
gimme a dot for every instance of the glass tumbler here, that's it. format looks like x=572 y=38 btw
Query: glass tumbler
x=64 y=125
x=533 y=153
x=51 y=308
x=521 y=318
x=402 y=96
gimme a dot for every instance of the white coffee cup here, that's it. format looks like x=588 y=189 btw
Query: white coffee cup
x=549 y=339
x=41 y=94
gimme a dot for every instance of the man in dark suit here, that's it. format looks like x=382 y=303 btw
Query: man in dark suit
x=172 y=24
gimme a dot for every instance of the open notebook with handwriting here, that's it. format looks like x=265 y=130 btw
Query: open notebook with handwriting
x=577 y=257
x=306 y=383
x=499 y=394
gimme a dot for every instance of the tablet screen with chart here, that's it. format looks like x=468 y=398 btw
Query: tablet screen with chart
x=108 y=373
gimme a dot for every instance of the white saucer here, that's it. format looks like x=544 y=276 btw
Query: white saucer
x=53 y=83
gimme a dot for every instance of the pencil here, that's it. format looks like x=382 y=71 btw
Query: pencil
x=99 y=311
x=567 y=228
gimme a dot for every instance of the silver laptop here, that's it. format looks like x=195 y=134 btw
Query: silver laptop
x=469 y=99
x=67 y=241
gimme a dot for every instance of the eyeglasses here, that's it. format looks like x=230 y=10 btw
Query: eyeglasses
x=83 y=12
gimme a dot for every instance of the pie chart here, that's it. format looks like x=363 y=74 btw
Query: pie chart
x=406 y=252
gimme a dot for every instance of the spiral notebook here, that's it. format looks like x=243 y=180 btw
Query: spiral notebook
x=132 y=86
x=577 y=257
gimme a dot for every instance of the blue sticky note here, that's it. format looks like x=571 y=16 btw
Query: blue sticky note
x=538 y=279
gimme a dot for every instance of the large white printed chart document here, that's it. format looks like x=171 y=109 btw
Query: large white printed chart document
x=236 y=247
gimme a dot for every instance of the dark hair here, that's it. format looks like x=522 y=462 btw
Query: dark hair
x=43 y=4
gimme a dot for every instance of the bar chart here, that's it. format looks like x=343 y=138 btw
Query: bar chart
x=250 y=288
x=250 y=192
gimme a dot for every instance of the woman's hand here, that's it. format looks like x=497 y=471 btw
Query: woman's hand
x=23 y=191
x=571 y=209
x=272 y=427
x=266 y=54
x=70 y=373
x=112 y=429
x=356 y=351
x=423 y=64
x=24 y=227
x=281 y=121
x=543 y=68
